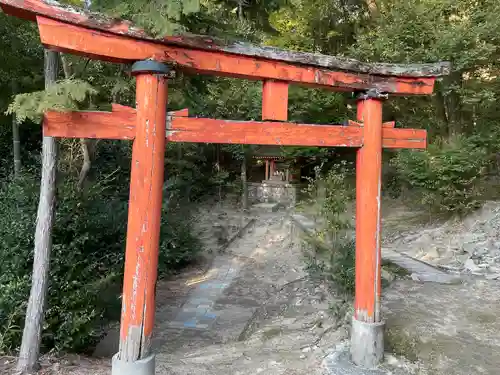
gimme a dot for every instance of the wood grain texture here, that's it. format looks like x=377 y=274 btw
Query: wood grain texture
x=274 y=100
x=29 y=9
x=120 y=124
x=116 y=48
x=368 y=200
x=32 y=334
x=144 y=217
x=388 y=124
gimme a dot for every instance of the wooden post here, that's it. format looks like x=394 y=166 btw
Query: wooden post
x=267 y=169
x=275 y=100
x=367 y=333
x=143 y=231
x=32 y=333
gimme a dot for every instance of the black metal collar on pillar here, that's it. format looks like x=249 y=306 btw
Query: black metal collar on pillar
x=150 y=66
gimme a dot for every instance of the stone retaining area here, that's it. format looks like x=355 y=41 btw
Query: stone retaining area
x=304 y=228
x=273 y=192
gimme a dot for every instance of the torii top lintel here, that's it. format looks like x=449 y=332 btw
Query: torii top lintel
x=73 y=30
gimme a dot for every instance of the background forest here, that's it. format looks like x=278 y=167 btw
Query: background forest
x=453 y=176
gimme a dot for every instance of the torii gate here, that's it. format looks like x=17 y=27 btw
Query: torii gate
x=94 y=35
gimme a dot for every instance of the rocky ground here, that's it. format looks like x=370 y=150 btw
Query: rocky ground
x=251 y=308
x=469 y=246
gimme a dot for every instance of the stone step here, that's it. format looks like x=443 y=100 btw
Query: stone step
x=421 y=271
x=266 y=207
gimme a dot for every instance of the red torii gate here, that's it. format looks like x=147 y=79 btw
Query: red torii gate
x=94 y=35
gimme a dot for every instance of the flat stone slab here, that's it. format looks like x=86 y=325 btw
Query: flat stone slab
x=269 y=207
x=304 y=223
x=421 y=271
x=198 y=311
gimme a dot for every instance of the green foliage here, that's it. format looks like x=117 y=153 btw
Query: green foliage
x=178 y=245
x=66 y=95
x=316 y=106
x=158 y=17
x=315 y=25
x=328 y=195
x=85 y=267
x=87 y=260
x=447 y=177
x=461 y=32
x=334 y=249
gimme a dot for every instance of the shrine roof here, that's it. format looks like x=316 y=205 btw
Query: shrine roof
x=268 y=152
x=30 y=9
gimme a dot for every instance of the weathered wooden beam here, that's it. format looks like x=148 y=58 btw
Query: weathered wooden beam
x=120 y=124
x=79 y=40
x=274 y=100
x=262 y=133
x=388 y=124
x=29 y=9
x=291 y=134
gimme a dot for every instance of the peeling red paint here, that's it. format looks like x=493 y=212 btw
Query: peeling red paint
x=120 y=124
x=146 y=185
x=368 y=180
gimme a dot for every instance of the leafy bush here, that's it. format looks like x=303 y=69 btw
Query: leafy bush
x=86 y=261
x=328 y=195
x=446 y=178
x=178 y=244
x=334 y=246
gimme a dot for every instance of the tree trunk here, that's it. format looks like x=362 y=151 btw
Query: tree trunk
x=372 y=8
x=244 y=182
x=453 y=104
x=66 y=67
x=87 y=162
x=440 y=105
x=85 y=144
x=30 y=346
x=16 y=142
x=240 y=10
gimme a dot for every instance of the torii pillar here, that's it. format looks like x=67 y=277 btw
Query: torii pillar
x=367 y=332
x=144 y=216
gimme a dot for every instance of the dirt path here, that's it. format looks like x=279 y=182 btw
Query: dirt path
x=253 y=311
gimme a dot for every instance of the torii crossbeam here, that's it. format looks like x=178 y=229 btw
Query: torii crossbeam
x=75 y=31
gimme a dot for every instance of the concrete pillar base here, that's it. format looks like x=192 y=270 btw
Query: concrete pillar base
x=144 y=366
x=367 y=343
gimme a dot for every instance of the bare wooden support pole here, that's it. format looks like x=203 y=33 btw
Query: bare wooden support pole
x=267 y=169
x=367 y=333
x=143 y=231
x=32 y=333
